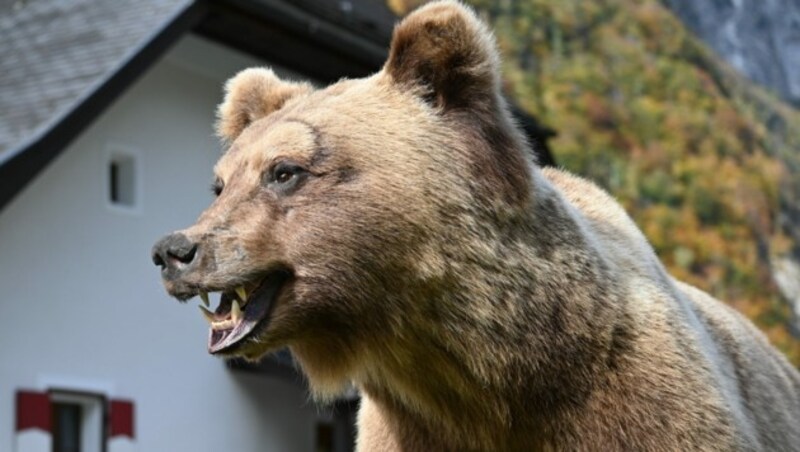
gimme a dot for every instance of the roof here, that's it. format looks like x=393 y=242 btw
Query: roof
x=54 y=52
x=68 y=61
x=64 y=62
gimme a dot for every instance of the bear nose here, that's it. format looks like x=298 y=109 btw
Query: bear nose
x=174 y=253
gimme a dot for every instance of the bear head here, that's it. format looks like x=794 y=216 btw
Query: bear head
x=342 y=214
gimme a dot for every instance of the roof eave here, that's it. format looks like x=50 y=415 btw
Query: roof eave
x=278 y=31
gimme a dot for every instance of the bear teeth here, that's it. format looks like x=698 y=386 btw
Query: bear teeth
x=234 y=316
x=236 y=312
x=210 y=317
x=224 y=324
x=242 y=292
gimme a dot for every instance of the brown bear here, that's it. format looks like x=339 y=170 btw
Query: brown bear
x=395 y=234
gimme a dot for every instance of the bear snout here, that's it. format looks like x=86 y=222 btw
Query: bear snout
x=175 y=254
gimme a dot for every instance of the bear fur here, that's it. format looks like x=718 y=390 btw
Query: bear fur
x=476 y=300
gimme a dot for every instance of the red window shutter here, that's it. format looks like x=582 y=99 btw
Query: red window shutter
x=33 y=411
x=121 y=418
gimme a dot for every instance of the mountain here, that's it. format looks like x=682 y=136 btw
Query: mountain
x=706 y=162
x=760 y=38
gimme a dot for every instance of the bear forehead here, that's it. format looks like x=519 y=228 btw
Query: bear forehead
x=364 y=119
x=266 y=141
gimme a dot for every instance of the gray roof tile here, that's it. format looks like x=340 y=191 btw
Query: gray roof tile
x=54 y=52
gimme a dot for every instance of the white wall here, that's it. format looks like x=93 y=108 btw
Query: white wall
x=83 y=303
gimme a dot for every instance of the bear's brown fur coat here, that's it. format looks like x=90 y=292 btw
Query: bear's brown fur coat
x=478 y=302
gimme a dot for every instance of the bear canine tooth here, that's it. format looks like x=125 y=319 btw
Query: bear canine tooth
x=204 y=297
x=242 y=293
x=208 y=315
x=236 y=311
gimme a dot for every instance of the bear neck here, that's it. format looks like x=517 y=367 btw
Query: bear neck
x=529 y=309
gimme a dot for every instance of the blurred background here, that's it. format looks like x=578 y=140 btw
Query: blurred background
x=685 y=110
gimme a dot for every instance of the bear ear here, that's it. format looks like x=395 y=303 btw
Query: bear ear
x=445 y=50
x=251 y=95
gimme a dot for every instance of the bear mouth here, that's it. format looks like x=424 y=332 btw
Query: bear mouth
x=241 y=310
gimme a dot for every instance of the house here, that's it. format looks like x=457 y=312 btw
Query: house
x=105 y=144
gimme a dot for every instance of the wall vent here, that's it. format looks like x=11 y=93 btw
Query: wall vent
x=123 y=179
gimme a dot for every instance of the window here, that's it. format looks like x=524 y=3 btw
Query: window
x=72 y=420
x=335 y=429
x=77 y=421
x=324 y=437
x=122 y=181
x=123 y=178
x=66 y=427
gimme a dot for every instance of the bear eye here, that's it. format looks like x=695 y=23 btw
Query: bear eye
x=285 y=176
x=217 y=186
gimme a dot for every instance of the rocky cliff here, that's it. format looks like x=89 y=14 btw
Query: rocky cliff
x=760 y=38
